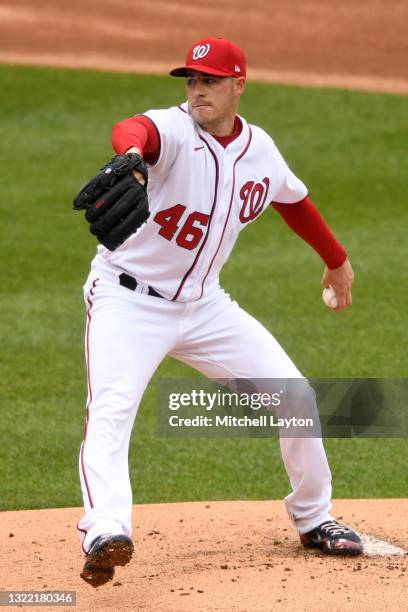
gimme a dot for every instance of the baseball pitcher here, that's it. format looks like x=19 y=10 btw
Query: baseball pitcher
x=167 y=210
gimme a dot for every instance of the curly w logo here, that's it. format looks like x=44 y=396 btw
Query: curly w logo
x=254 y=197
x=200 y=51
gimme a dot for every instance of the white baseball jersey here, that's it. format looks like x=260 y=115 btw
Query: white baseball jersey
x=201 y=195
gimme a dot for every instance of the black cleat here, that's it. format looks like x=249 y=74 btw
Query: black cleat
x=333 y=539
x=105 y=552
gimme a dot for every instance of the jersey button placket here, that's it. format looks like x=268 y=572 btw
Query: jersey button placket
x=217 y=223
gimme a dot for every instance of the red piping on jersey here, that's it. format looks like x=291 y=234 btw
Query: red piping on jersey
x=89 y=317
x=241 y=155
x=217 y=172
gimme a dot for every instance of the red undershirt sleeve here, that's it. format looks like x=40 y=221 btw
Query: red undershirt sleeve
x=138 y=132
x=304 y=219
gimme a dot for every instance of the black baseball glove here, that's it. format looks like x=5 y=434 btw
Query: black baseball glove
x=115 y=202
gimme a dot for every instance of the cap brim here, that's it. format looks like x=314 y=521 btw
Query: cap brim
x=182 y=71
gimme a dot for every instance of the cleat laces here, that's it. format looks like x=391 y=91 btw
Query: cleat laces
x=334 y=529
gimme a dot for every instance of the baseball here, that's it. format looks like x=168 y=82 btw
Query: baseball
x=329 y=297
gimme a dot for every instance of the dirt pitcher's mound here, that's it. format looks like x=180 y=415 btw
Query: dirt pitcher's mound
x=207 y=556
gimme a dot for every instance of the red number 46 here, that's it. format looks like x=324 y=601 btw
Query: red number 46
x=189 y=235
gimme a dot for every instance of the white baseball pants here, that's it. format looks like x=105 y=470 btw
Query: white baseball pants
x=128 y=334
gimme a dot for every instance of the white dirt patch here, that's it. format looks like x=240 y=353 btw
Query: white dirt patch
x=374 y=547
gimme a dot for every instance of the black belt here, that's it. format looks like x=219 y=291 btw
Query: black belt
x=131 y=283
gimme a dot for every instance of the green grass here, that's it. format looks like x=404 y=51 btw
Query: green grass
x=348 y=147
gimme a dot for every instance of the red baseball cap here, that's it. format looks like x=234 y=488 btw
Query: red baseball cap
x=217 y=56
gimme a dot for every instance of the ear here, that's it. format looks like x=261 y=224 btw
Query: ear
x=239 y=85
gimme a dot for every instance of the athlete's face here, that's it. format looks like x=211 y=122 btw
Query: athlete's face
x=213 y=100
